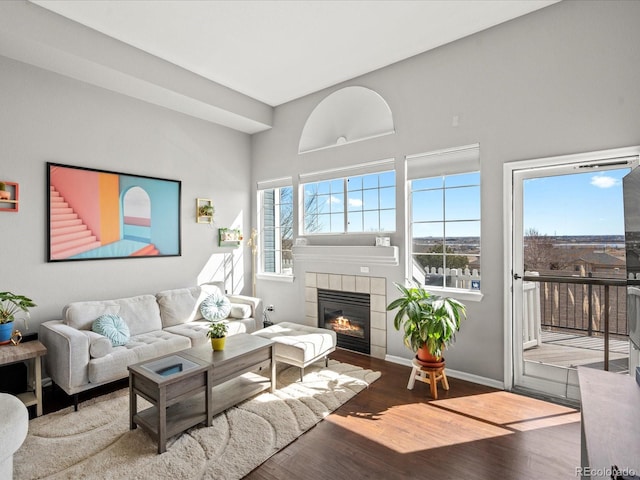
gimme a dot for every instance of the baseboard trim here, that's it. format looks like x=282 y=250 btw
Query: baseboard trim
x=468 y=377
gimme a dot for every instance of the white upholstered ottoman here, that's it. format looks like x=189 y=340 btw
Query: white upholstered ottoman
x=299 y=345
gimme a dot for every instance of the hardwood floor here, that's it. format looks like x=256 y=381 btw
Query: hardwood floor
x=470 y=432
x=389 y=432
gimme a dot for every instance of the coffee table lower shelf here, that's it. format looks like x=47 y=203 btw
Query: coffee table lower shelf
x=179 y=417
x=188 y=413
x=234 y=391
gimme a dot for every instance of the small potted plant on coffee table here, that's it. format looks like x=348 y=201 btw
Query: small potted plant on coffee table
x=217 y=332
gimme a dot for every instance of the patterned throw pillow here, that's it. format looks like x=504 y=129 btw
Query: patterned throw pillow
x=113 y=327
x=215 y=307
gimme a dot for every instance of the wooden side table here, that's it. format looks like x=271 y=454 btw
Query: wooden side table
x=31 y=350
x=179 y=388
x=428 y=375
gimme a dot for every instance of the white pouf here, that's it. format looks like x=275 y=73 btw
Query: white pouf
x=14 y=425
x=299 y=345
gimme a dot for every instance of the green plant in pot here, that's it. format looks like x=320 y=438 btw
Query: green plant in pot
x=4 y=194
x=217 y=332
x=429 y=322
x=10 y=305
x=206 y=210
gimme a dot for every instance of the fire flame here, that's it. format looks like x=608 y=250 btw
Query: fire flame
x=343 y=324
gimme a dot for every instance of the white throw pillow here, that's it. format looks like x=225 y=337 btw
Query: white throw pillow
x=240 y=310
x=100 y=347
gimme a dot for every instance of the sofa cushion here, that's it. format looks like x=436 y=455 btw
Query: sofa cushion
x=197 y=331
x=81 y=315
x=141 y=313
x=240 y=310
x=215 y=307
x=113 y=327
x=140 y=348
x=182 y=305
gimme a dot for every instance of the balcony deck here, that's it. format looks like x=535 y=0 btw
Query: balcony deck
x=572 y=349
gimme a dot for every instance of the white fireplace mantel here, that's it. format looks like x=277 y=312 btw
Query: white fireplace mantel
x=388 y=256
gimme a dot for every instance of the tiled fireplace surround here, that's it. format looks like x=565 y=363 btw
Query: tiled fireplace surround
x=376 y=287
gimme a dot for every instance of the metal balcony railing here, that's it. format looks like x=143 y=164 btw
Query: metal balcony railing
x=596 y=306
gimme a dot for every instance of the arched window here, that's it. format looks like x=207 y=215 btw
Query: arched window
x=348 y=115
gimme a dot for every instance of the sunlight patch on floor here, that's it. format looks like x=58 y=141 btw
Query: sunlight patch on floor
x=510 y=410
x=440 y=423
x=416 y=427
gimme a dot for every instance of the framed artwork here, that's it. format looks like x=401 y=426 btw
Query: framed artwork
x=204 y=210
x=229 y=237
x=98 y=215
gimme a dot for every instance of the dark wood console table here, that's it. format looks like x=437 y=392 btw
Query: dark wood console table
x=610 y=423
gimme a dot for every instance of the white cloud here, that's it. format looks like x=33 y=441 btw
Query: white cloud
x=335 y=199
x=604 y=181
x=354 y=202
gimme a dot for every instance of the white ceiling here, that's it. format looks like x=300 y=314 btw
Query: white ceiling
x=277 y=51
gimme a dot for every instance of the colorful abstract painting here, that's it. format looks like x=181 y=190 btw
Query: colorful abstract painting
x=97 y=214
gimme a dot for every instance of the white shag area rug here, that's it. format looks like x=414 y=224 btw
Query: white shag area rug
x=95 y=442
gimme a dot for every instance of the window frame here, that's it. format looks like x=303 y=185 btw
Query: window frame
x=345 y=204
x=443 y=163
x=278 y=248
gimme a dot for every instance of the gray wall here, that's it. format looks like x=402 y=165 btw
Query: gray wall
x=562 y=80
x=48 y=117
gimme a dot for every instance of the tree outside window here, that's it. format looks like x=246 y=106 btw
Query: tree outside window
x=357 y=204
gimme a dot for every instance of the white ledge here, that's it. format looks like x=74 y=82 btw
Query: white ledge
x=275 y=277
x=388 y=256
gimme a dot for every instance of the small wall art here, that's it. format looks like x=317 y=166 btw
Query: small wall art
x=204 y=210
x=229 y=237
x=9 y=196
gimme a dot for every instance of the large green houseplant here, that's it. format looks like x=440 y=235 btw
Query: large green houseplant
x=429 y=322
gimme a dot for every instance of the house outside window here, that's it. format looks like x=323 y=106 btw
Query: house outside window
x=350 y=204
x=276 y=230
x=444 y=221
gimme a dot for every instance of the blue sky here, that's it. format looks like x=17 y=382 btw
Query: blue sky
x=587 y=203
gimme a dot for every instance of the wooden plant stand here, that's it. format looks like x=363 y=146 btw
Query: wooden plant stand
x=430 y=376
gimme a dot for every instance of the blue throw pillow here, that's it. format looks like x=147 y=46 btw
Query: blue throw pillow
x=113 y=327
x=215 y=307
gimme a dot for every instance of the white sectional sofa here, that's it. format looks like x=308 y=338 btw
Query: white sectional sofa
x=79 y=359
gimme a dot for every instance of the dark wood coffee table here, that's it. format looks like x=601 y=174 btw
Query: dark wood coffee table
x=233 y=370
x=197 y=384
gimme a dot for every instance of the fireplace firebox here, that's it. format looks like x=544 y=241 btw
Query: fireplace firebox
x=347 y=314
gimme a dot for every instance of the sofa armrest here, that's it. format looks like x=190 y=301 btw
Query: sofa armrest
x=67 y=355
x=254 y=302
